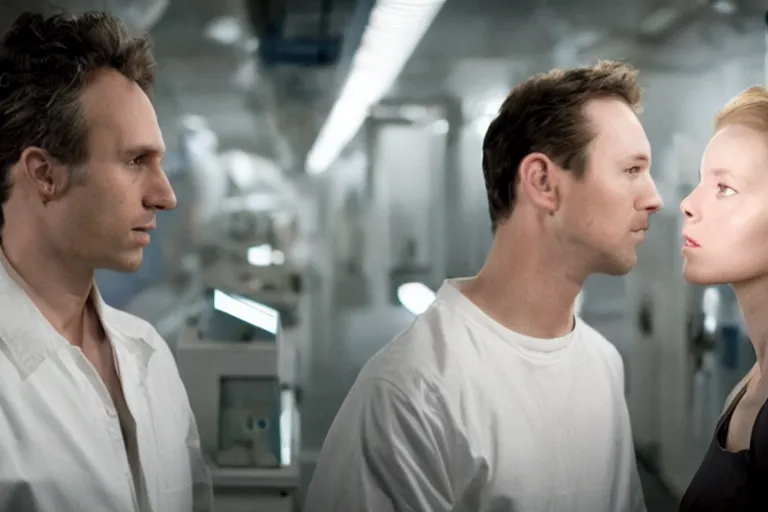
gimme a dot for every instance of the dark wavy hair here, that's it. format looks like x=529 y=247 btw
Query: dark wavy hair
x=45 y=63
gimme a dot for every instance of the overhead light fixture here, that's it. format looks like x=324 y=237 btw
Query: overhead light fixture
x=394 y=29
x=415 y=297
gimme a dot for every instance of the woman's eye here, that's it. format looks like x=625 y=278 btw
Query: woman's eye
x=724 y=190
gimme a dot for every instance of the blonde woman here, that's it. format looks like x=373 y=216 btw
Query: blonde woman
x=726 y=241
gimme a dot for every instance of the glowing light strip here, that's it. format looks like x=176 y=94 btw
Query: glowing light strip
x=394 y=29
x=248 y=311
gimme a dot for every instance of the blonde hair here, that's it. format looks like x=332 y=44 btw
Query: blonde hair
x=749 y=107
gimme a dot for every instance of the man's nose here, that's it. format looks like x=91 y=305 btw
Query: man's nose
x=161 y=195
x=652 y=201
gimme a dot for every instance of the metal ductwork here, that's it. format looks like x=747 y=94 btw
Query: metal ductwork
x=268 y=18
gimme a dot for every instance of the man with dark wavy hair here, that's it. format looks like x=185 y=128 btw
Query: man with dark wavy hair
x=93 y=414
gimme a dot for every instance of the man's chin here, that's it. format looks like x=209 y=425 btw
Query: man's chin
x=618 y=271
x=127 y=263
x=618 y=266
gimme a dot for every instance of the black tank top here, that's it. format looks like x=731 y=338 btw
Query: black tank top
x=732 y=481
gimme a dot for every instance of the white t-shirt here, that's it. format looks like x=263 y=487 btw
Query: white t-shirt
x=459 y=413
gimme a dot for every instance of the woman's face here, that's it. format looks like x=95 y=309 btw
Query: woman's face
x=726 y=215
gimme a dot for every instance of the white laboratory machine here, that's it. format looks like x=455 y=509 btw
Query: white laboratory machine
x=276 y=284
x=239 y=372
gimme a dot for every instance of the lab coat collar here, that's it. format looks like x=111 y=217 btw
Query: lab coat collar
x=28 y=337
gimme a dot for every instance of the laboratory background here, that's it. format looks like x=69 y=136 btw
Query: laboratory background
x=326 y=158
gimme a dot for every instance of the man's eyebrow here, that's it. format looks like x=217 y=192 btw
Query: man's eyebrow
x=144 y=149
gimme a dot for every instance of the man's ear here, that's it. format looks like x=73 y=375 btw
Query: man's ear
x=48 y=176
x=540 y=181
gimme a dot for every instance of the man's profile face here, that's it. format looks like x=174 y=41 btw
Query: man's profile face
x=102 y=219
x=608 y=209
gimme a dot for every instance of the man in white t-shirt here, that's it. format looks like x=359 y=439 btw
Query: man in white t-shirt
x=498 y=398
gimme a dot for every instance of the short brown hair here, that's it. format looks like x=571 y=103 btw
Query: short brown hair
x=545 y=114
x=45 y=64
x=749 y=107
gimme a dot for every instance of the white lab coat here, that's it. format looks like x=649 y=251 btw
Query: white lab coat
x=61 y=447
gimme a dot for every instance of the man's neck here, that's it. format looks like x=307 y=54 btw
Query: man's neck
x=753 y=298
x=526 y=287
x=59 y=288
